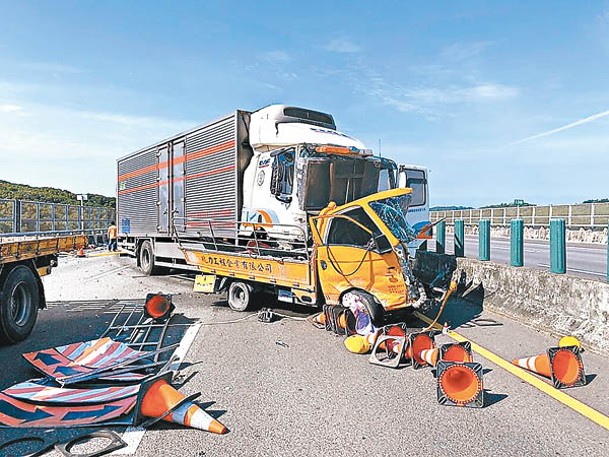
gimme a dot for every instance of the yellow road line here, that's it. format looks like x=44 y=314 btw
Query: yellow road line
x=559 y=395
x=103 y=254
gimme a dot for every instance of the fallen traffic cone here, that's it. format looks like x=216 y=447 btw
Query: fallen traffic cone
x=460 y=384
x=417 y=343
x=393 y=341
x=339 y=319
x=449 y=352
x=158 y=306
x=158 y=399
x=563 y=365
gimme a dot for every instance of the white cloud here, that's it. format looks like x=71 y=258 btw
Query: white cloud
x=464 y=51
x=8 y=108
x=342 y=46
x=433 y=101
x=277 y=57
x=72 y=149
x=585 y=120
x=490 y=92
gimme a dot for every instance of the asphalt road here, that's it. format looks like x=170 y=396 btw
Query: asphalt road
x=585 y=260
x=289 y=389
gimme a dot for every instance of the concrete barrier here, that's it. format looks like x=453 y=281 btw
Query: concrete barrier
x=558 y=304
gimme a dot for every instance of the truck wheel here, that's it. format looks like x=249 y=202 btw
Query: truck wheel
x=147 y=259
x=18 y=305
x=375 y=310
x=239 y=296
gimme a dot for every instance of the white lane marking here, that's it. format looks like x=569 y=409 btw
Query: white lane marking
x=133 y=435
x=574 y=269
x=106 y=273
x=184 y=346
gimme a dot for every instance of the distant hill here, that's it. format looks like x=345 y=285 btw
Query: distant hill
x=10 y=190
x=449 y=208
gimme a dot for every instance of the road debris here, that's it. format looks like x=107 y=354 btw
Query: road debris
x=112 y=379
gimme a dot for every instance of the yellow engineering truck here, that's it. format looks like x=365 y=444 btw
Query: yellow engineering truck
x=357 y=251
x=22 y=264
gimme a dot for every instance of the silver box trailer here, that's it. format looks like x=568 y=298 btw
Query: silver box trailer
x=164 y=188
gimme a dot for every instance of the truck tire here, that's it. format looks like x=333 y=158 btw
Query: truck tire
x=18 y=305
x=375 y=309
x=239 y=296
x=146 y=256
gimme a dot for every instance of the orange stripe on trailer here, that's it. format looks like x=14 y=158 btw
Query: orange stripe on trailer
x=208 y=151
x=178 y=160
x=206 y=173
x=185 y=178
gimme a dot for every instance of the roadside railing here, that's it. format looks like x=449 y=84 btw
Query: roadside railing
x=557 y=239
x=30 y=218
x=592 y=215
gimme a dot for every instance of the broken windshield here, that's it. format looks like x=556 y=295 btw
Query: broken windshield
x=392 y=212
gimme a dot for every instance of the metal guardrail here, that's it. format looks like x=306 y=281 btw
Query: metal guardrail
x=21 y=217
x=591 y=215
x=558 y=246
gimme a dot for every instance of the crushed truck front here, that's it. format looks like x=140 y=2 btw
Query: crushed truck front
x=363 y=245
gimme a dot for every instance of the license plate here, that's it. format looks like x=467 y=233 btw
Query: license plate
x=205 y=283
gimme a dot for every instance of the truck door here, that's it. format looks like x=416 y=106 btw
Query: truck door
x=355 y=254
x=178 y=170
x=418 y=211
x=163 y=177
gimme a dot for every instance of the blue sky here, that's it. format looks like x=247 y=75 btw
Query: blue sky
x=501 y=100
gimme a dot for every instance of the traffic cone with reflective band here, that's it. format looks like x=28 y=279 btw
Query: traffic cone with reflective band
x=429 y=356
x=389 y=347
x=320 y=319
x=563 y=365
x=393 y=345
x=417 y=343
x=158 y=306
x=449 y=352
x=460 y=384
x=157 y=396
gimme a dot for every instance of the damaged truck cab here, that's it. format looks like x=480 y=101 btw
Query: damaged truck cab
x=363 y=246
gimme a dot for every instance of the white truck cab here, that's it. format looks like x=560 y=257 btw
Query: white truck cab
x=300 y=163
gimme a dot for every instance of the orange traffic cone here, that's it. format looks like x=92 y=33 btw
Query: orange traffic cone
x=394 y=341
x=460 y=384
x=417 y=343
x=81 y=252
x=449 y=352
x=158 y=306
x=456 y=352
x=563 y=365
x=157 y=397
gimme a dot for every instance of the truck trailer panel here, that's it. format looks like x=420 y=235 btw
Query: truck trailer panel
x=164 y=189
